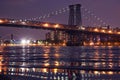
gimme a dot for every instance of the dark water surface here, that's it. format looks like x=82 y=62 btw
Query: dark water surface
x=60 y=63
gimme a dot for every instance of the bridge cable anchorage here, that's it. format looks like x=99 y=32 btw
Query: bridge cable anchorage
x=92 y=15
x=57 y=12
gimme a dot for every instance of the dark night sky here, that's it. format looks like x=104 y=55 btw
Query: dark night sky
x=106 y=10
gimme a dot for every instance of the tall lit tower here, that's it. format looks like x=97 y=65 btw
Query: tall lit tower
x=71 y=15
x=75 y=15
x=78 y=14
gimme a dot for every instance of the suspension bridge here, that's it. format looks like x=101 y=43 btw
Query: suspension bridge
x=75 y=32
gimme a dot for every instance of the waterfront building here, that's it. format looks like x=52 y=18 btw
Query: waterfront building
x=56 y=37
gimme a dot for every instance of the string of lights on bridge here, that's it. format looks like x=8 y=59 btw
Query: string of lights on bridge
x=91 y=14
x=86 y=15
x=57 y=26
x=57 y=12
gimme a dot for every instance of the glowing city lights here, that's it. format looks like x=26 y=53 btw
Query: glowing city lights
x=55 y=70
x=25 y=41
x=1 y=21
x=109 y=31
x=23 y=23
x=56 y=63
x=91 y=43
x=96 y=72
x=46 y=24
x=81 y=27
x=46 y=64
x=118 y=32
x=13 y=21
x=57 y=25
x=54 y=25
x=96 y=30
x=103 y=31
x=44 y=70
x=110 y=72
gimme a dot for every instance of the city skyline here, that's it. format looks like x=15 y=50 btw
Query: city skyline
x=108 y=11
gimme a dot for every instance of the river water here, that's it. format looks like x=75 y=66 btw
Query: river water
x=60 y=63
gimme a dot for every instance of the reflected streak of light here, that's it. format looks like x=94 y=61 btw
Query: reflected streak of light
x=33 y=69
x=44 y=70
x=27 y=69
x=110 y=72
x=97 y=55
x=57 y=55
x=23 y=69
x=46 y=64
x=91 y=43
x=46 y=55
x=1 y=58
x=96 y=30
x=103 y=72
x=47 y=51
x=110 y=65
x=46 y=25
x=55 y=70
x=1 y=21
x=82 y=71
x=96 y=64
x=56 y=63
x=96 y=72
x=1 y=49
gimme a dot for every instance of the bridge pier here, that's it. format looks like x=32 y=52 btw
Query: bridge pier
x=74 y=39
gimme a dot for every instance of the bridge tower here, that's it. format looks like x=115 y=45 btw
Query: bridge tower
x=74 y=38
x=78 y=15
x=71 y=15
x=75 y=15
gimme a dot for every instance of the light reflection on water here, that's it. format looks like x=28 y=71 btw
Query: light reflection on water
x=61 y=63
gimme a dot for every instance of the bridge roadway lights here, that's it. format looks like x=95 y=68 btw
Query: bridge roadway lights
x=97 y=39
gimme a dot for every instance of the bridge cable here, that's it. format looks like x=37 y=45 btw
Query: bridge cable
x=57 y=12
x=88 y=12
